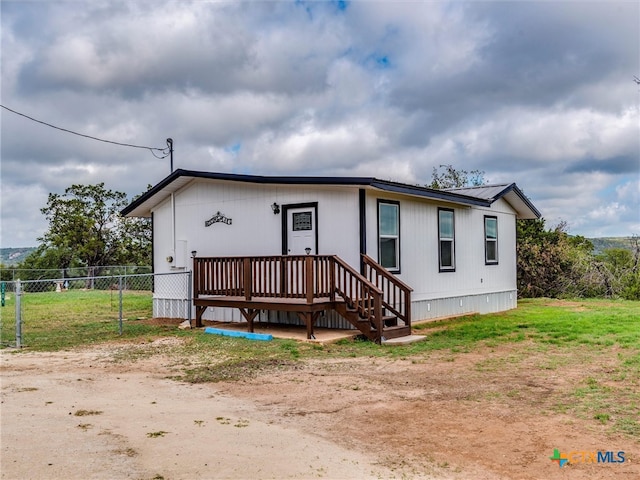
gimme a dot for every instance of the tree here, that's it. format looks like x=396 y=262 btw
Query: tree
x=619 y=267
x=453 y=178
x=135 y=241
x=86 y=229
x=550 y=262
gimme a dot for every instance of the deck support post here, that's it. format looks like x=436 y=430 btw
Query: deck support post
x=199 y=312
x=249 y=315
x=309 y=318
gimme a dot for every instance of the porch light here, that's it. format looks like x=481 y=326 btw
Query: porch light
x=308 y=250
x=193 y=253
x=276 y=208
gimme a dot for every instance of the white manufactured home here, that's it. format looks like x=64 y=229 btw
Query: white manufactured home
x=333 y=251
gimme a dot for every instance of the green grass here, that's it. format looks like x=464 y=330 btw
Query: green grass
x=591 y=323
x=54 y=321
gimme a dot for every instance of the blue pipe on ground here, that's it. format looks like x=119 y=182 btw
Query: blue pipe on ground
x=235 y=333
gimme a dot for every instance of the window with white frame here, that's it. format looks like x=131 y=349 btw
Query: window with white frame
x=490 y=240
x=389 y=235
x=446 y=236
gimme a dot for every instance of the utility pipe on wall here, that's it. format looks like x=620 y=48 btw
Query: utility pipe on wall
x=173 y=227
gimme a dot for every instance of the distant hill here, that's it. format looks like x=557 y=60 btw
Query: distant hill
x=603 y=243
x=12 y=256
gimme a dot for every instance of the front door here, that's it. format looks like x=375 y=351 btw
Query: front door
x=301 y=230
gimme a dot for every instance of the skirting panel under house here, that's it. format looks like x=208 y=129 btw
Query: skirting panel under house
x=421 y=310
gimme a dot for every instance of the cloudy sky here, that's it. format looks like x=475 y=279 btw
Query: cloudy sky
x=540 y=93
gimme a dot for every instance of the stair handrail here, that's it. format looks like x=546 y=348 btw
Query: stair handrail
x=396 y=299
x=359 y=293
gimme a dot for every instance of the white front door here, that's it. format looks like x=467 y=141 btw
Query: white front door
x=301 y=231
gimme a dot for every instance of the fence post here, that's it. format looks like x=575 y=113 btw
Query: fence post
x=189 y=294
x=18 y=294
x=120 y=304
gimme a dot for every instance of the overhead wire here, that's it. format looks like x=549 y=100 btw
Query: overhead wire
x=165 y=151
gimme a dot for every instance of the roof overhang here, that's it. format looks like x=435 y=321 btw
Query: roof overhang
x=515 y=197
x=143 y=205
x=521 y=203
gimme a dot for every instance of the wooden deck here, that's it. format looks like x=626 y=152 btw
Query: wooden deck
x=306 y=285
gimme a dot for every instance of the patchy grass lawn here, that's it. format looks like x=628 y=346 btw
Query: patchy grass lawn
x=597 y=340
x=58 y=320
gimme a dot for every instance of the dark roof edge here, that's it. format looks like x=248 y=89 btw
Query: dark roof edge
x=384 y=185
x=296 y=180
x=428 y=193
x=513 y=187
x=286 y=180
x=151 y=192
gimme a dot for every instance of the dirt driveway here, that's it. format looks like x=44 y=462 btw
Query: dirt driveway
x=80 y=414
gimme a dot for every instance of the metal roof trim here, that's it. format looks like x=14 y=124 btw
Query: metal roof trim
x=505 y=189
x=430 y=193
x=384 y=185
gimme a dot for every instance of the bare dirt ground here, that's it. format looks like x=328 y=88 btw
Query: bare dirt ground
x=489 y=414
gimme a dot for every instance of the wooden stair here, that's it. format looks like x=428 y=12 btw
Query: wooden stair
x=368 y=325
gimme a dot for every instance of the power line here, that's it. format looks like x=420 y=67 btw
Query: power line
x=151 y=149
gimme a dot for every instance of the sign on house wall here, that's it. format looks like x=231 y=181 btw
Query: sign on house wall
x=218 y=218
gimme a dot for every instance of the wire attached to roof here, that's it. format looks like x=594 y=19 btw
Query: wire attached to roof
x=164 y=151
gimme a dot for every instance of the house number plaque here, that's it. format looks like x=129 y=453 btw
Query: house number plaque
x=218 y=218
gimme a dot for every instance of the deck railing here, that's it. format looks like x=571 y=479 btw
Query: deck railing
x=396 y=296
x=288 y=277
x=294 y=276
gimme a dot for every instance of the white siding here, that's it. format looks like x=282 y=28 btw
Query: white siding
x=162 y=237
x=419 y=248
x=255 y=230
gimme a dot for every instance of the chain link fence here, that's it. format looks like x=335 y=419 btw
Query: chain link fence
x=60 y=312
x=11 y=274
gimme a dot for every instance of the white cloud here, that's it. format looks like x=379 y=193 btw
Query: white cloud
x=21 y=221
x=534 y=92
